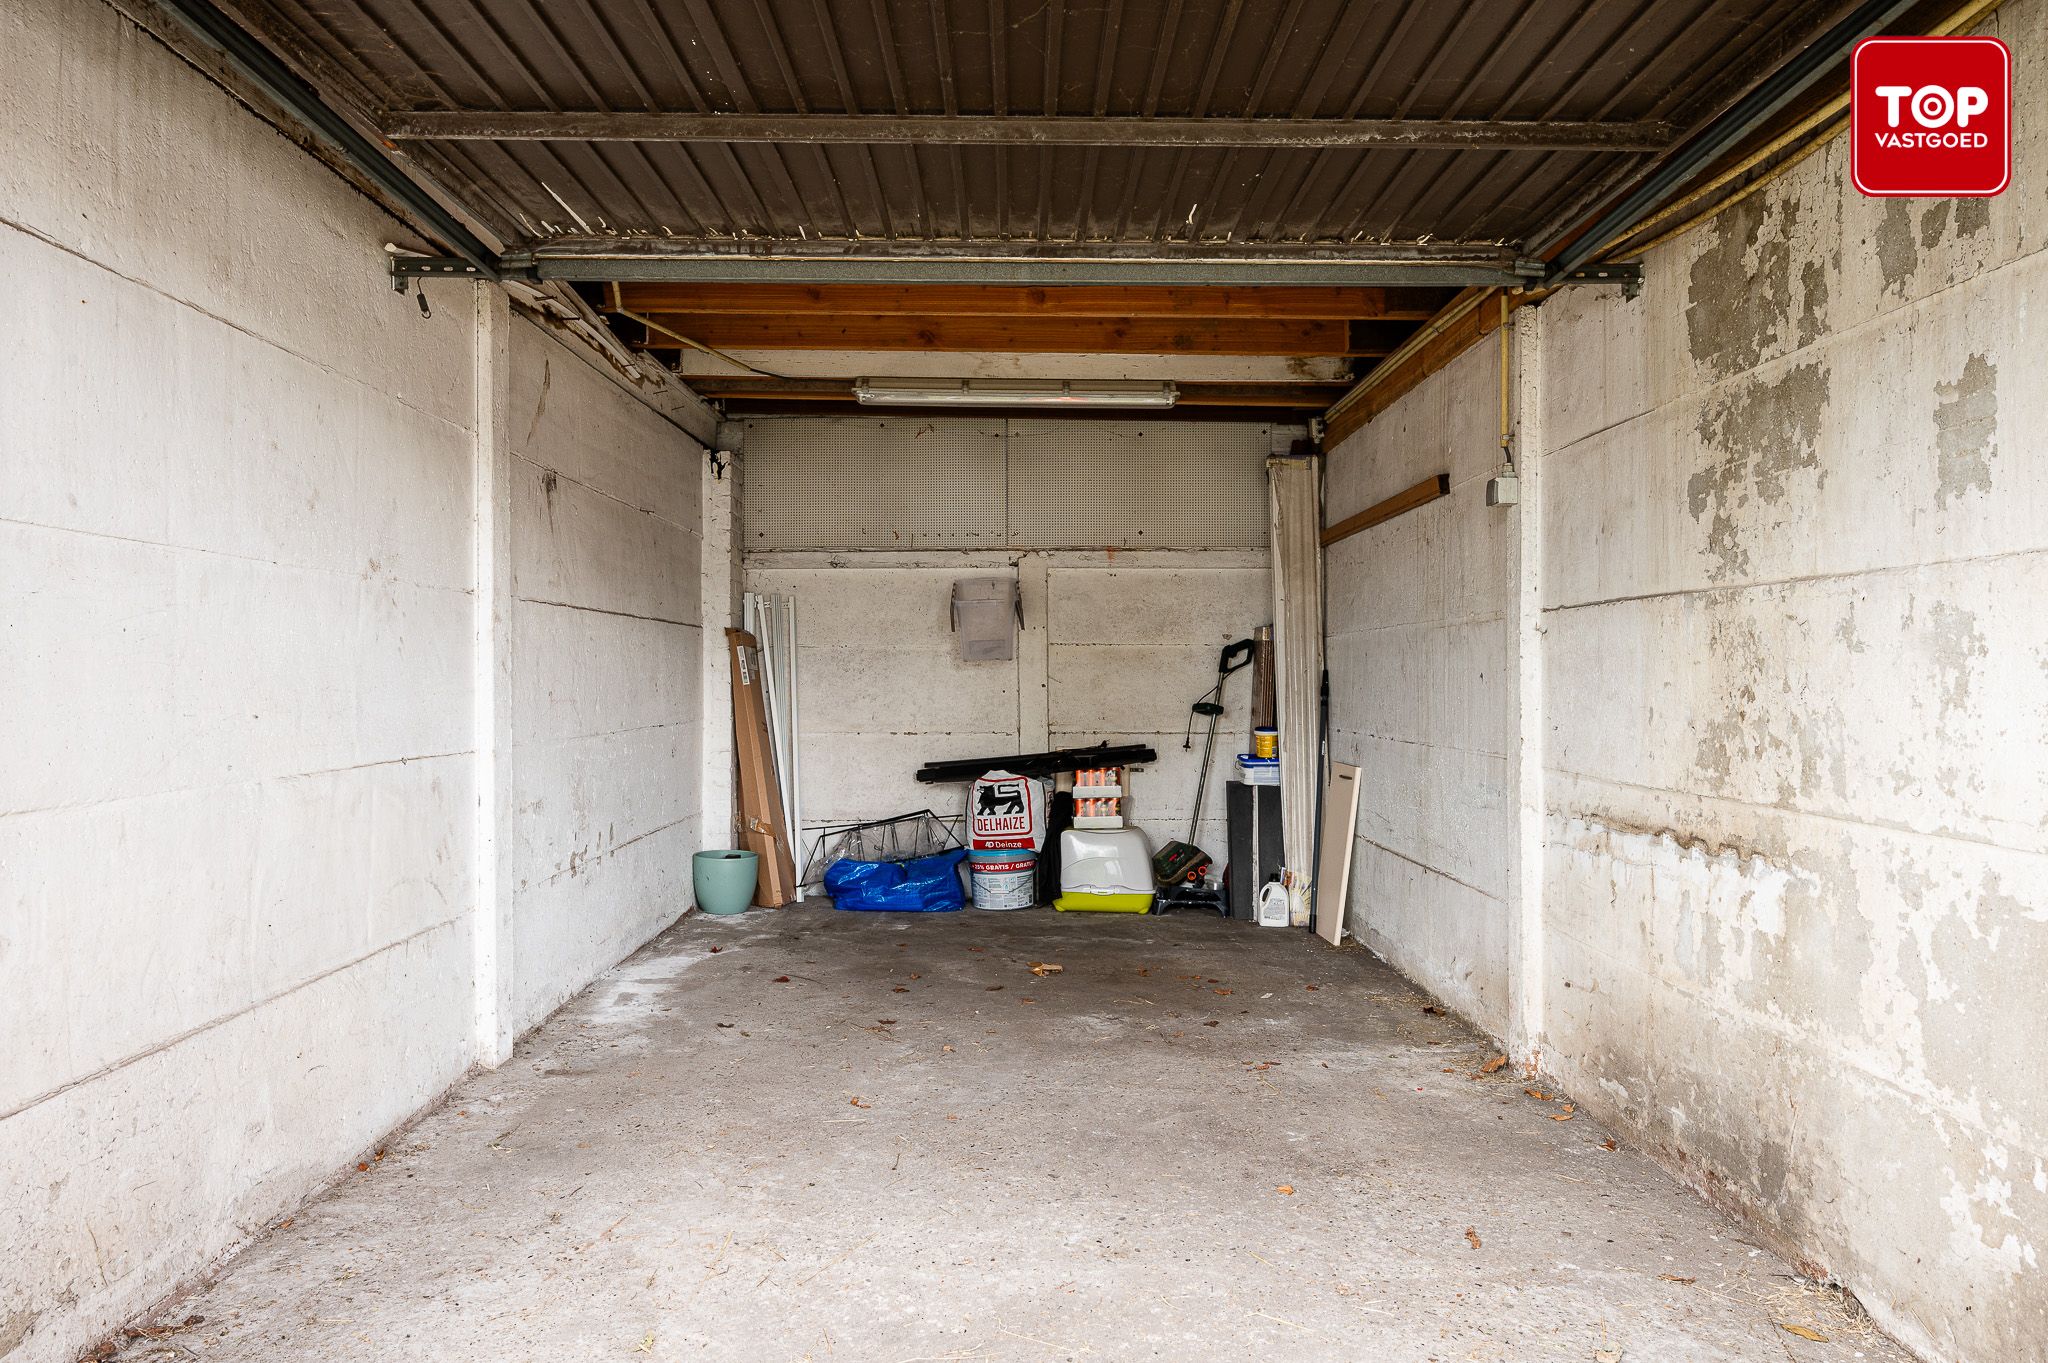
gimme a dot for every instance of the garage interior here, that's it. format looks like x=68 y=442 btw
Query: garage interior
x=406 y=398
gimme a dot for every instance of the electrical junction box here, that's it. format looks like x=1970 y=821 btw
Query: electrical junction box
x=986 y=614
x=1504 y=488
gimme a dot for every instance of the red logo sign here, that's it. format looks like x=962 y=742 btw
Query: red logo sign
x=1930 y=117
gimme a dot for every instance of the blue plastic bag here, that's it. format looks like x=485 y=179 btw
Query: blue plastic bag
x=924 y=885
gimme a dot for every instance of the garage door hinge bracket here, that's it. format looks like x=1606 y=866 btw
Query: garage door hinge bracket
x=1629 y=276
x=405 y=269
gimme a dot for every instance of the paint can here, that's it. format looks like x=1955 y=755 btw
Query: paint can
x=1003 y=880
x=1265 y=743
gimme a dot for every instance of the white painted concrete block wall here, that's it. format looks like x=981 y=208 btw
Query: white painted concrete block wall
x=1422 y=687
x=606 y=644
x=235 y=533
x=1795 y=876
x=1130 y=640
x=237 y=482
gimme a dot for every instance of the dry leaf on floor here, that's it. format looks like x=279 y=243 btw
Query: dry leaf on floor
x=1560 y=1116
x=1432 y=1009
x=781 y=979
x=1606 y=1356
x=1044 y=968
x=1538 y=1094
x=858 y=1103
x=993 y=988
x=1609 y=1144
x=1212 y=1022
x=947 y=1049
x=901 y=989
x=1674 y=1278
x=1311 y=988
x=886 y=1022
x=1472 y=1234
x=1285 y=1190
x=1494 y=1065
x=1222 y=991
x=716 y=950
x=1802 y=1331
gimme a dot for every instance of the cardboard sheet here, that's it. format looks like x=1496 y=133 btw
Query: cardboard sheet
x=763 y=826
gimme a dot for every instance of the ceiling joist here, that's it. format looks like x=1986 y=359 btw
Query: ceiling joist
x=1029 y=335
x=1300 y=397
x=1081 y=300
x=484 y=125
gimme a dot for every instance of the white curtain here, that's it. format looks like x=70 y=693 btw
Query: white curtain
x=1296 y=508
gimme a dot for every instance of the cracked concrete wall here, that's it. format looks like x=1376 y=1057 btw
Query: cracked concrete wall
x=1114 y=647
x=606 y=657
x=1793 y=722
x=1796 y=896
x=1421 y=620
x=240 y=480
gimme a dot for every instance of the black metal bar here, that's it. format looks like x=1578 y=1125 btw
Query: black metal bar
x=1741 y=118
x=1023 y=130
x=1038 y=763
x=277 y=80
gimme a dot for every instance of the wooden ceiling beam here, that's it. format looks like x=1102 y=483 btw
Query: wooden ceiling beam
x=1306 y=397
x=1079 y=300
x=1027 y=335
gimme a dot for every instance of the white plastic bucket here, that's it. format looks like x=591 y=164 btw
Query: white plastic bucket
x=1007 y=880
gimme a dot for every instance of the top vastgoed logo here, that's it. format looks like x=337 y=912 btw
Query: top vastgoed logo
x=1930 y=117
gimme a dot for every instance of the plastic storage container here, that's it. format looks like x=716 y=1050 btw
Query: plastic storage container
x=1003 y=880
x=1258 y=771
x=724 y=879
x=1105 y=872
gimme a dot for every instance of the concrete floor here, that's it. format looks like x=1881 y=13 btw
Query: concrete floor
x=811 y=1135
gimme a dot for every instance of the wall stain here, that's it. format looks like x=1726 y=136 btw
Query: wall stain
x=1813 y=302
x=1759 y=436
x=1965 y=430
x=1933 y=225
x=1972 y=216
x=1897 y=255
x=1953 y=639
x=1740 y=290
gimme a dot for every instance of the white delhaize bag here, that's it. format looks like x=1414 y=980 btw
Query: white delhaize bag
x=1005 y=811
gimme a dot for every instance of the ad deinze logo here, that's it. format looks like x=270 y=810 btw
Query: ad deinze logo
x=1930 y=117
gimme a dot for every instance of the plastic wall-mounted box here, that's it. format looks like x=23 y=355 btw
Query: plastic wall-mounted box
x=985 y=619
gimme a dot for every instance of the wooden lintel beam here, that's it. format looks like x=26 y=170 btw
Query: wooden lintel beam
x=490 y=125
x=1422 y=494
x=1296 y=303
x=1388 y=385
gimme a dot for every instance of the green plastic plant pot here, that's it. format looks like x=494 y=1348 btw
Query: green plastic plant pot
x=725 y=880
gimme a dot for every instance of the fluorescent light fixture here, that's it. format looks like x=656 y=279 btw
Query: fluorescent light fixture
x=1012 y=393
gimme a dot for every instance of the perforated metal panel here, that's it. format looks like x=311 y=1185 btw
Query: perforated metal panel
x=954 y=483
x=861 y=483
x=1138 y=484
